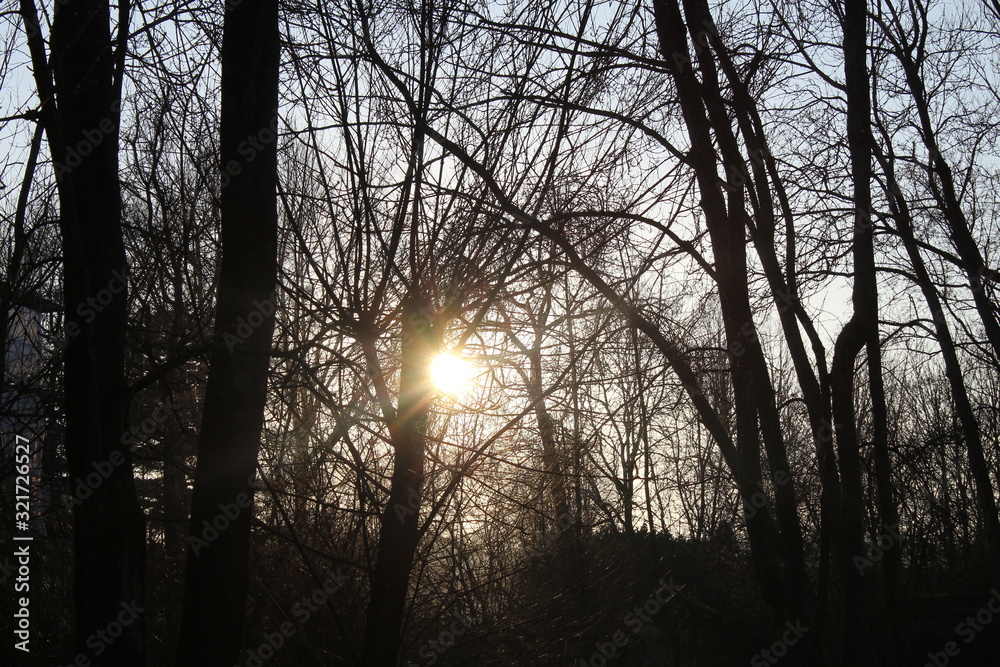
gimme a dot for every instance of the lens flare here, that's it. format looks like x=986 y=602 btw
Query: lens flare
x=451 y=375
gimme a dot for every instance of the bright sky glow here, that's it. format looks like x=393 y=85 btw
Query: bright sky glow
x=451 y=375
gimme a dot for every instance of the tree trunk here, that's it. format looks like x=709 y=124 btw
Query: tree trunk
x=81 y=117
x=762 y=167
x=222 y=505
x=551 y=458
x=975 y=267
x=11 y=293
x=953 y=370
x=756 y=409
x=857 y=333
x=399 y=533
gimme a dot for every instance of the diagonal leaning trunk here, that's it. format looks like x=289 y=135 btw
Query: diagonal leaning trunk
x=757 y=416
x=399 y=533
x=946 y=195
x=971 y=431
x=215 y=589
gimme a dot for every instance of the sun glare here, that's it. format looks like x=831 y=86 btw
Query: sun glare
x=451 y=375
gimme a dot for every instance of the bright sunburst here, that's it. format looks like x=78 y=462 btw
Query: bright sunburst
x=451 y=375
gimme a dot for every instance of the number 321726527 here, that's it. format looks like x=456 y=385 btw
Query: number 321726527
x=21 y=458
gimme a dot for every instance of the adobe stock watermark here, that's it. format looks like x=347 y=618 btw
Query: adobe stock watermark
x=967 y=629
x=92 y=306
x=22 y=541
x=228 y=513
x=736 y=347
x=758 y=500
x=738 y=176
x=85 y=487
x=246 y=325
x=864 y=219
x=22 y=617
x=877 y=548
x=549 y=536
x=411 y=507
x=635 y=621
x=701 y=42
x=102 y=639
x=252 y=145
x=91 y=139
x=779 y=649
x=302 y=611
x=432 y=649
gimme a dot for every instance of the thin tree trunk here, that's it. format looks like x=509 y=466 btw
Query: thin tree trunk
x=733 y=256
x=944 y=191
x=218 y=562
x=546 y=425
x=12 y=294
x=815 y=391
x=756 y=410
x=399 y=533
x=985 y=494
x=547 y=434
x=857 y=333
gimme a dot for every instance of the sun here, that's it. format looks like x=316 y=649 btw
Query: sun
x=451 y=375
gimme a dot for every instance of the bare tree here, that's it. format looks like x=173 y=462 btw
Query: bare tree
x=79 y=90
x=217 y=571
